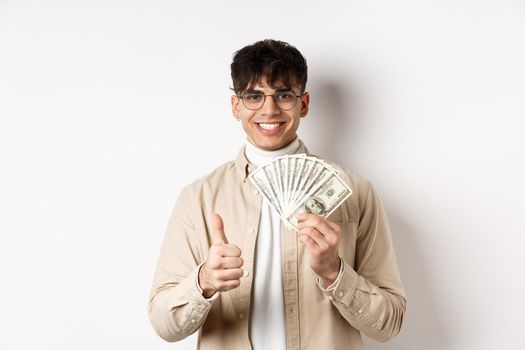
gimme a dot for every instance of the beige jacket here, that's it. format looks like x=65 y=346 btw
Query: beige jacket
x=369 y=297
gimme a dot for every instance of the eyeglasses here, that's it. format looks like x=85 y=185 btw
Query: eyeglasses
x=285 y=100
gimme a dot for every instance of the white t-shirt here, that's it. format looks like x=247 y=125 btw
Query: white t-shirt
x=267 y=327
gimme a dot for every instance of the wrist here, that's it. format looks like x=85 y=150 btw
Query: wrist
x=207 y=289
x=327 y=279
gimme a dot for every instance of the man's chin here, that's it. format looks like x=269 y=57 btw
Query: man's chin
x=266 y=145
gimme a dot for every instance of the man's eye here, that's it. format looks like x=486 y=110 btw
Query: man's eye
x=284 y=96
x=253 y=97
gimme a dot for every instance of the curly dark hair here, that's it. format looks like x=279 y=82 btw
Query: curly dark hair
x=277 y=60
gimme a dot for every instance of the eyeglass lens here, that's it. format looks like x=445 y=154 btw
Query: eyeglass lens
x=254 y=100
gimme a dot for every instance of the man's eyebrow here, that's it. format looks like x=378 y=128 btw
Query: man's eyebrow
x=283 y=89
x=251 y=91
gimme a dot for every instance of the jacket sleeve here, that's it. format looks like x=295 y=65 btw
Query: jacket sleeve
x=176 y=305
x=370 y=296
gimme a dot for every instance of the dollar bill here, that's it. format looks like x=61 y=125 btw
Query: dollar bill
x=298 y=182
x=323 y=200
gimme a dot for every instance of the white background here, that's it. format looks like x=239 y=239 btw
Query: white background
x=108 y=108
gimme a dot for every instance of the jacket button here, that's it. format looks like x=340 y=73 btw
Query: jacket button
x=246 y=273
x=241 y=316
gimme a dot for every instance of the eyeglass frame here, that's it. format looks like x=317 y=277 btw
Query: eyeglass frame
x=273 y=97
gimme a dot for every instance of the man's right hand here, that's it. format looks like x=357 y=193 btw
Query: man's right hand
x=222 y=271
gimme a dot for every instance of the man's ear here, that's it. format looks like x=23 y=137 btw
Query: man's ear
x=305 y=104
x=235 y=106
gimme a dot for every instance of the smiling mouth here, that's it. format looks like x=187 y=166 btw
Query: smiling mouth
x=269 y=126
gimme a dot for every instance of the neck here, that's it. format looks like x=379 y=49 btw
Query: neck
x=259 y=157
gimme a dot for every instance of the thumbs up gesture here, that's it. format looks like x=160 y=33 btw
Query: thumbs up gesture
x=222 y=271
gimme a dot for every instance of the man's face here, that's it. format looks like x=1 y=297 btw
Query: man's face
x=270 y=128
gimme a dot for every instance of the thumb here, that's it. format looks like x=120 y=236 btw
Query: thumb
x=218 y=225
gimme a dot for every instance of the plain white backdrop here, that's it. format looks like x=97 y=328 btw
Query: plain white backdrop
x=108 y=108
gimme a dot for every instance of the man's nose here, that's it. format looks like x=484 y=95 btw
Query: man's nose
x=270 y=107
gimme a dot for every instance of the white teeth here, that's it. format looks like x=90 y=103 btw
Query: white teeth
x=269 y=126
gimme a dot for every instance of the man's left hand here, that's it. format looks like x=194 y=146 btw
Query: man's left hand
x=321 y=237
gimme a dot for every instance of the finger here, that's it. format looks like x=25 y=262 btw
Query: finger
x=316 y=236
x=304 y=217
x=230 y=263
x=229 y=274
x=224 y=286
x=319 y=223
x=304 y=237
x=323 y=225
x=225 y=250
x=231 y=250
x=308 y=242
x=218 y=225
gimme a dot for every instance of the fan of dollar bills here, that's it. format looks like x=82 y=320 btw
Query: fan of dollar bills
x=299 y=182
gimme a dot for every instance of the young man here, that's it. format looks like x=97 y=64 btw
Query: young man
x=231 y=269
